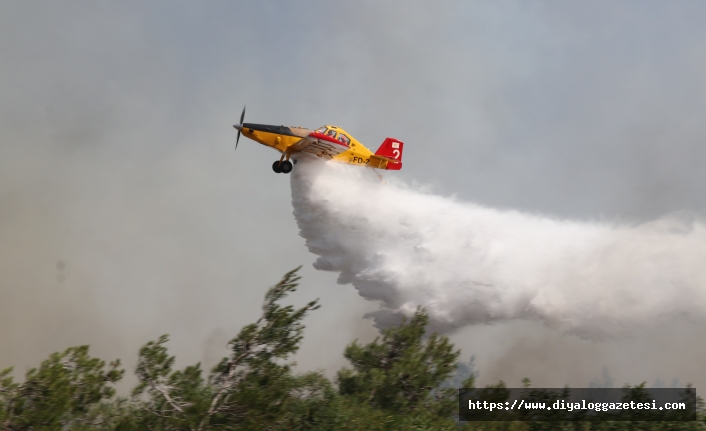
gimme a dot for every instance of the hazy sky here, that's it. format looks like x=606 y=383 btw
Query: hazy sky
x=125 y=213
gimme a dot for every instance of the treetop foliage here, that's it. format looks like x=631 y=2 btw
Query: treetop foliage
x=405 y=379
x=63 y=393
x=402 y=372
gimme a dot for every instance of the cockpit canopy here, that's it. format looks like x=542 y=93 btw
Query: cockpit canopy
x=336 y=133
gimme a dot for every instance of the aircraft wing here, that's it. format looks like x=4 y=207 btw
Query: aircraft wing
x=320 y=145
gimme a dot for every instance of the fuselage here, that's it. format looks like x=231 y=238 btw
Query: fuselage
x=284 y=138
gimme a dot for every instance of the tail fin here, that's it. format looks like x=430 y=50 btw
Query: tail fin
x=391 y=149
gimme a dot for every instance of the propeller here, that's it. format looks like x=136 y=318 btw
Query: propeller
x=239 y=127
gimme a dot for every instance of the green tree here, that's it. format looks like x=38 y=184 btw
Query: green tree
x=68 y=391
x=404 y=380
x=252 y=388
x=401 y=375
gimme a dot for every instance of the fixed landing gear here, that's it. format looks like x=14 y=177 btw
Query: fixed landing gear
x=282 y=167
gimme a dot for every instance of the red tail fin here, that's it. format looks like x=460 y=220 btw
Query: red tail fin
x=392 y=149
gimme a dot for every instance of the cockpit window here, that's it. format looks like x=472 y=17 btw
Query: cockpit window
x=321 y=129
x=345 y=139
x=331 y=133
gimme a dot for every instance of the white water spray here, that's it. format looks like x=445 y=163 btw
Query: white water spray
x=468 y=264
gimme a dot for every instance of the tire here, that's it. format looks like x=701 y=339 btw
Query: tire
x=286 y=167
x=277 y=167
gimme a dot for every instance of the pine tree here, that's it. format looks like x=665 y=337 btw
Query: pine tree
x=402 y=373
x=252 y=388
x=68 y=391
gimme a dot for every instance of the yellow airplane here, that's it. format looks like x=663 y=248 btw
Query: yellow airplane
x=327 y=142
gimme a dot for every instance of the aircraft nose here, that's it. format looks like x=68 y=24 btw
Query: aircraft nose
x=238 y=126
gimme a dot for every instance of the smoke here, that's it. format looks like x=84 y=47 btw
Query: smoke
x=469 y=264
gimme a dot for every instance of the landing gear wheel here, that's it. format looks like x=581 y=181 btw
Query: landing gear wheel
x=285 y=167
x=277 y=167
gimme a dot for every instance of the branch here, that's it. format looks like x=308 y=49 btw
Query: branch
x=161 y=390
x=166 y=396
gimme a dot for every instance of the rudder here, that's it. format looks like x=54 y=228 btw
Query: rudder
x=391 y=148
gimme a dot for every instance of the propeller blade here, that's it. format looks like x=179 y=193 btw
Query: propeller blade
x=239 y=127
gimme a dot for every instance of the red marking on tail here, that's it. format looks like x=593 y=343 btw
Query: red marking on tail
x=392 y=149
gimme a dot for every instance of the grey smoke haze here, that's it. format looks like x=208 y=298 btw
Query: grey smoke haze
x=116 y=158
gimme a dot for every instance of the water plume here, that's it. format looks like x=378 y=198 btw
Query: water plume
x=469 y=264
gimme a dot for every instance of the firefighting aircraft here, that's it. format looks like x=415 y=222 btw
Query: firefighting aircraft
x=327 y=142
